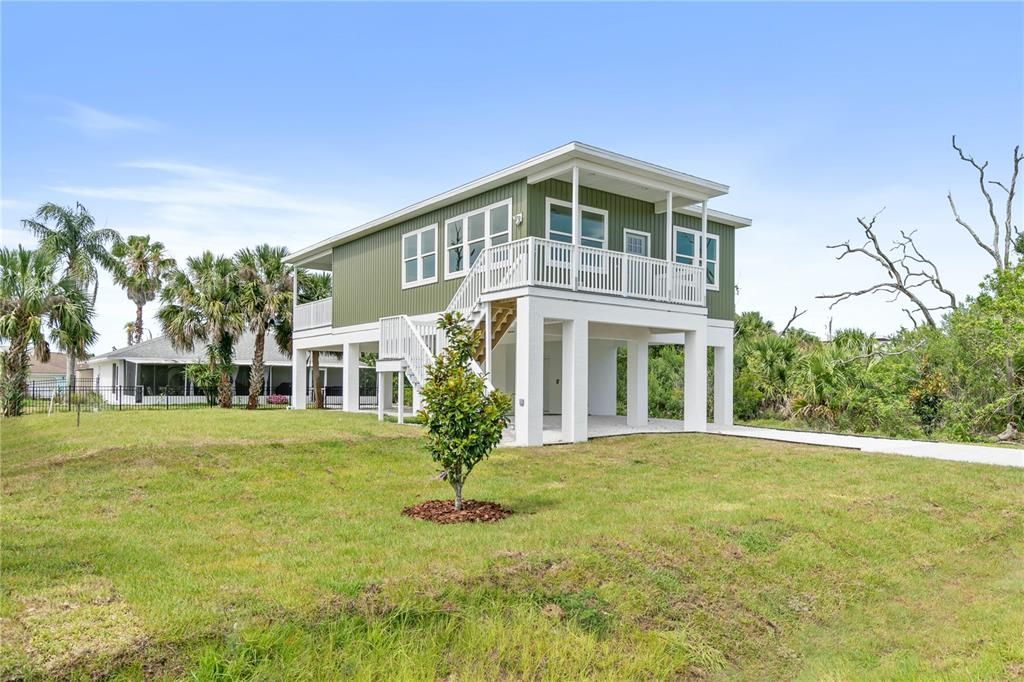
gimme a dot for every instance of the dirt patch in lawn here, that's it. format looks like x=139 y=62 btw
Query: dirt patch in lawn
x=443 y=511
x=63 y=627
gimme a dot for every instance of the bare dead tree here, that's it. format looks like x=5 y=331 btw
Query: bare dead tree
x=792 y=319
x=1004 y=234
x=906 y=267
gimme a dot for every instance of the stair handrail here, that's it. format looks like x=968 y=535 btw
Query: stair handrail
x=471 y=288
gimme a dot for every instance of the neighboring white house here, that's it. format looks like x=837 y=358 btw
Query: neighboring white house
x=151 y=370
x=560 y=261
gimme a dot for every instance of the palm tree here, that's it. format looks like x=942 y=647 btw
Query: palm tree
x=33 y=296
x=74 y=241
x=314 y=286
x=201 y=304
x=266 y=300
x=139 y=268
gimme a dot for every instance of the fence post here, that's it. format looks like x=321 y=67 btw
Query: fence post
x=119 y=393
x=167 y=399
x=78 y=410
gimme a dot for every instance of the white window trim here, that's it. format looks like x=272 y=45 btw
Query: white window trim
x=420 y=281
x=699 y=256
x=464 y=217
x=626 y=232
x=549 y=202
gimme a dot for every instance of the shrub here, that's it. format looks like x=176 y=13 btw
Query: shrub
x=464 y=420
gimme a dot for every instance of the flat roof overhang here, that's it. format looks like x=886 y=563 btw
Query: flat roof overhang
x=599 y=168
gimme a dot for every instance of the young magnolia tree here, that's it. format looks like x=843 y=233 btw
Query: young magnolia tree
x=464 y=420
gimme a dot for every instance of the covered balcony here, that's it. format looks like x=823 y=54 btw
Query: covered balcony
x=535 y=262
x=313 y=315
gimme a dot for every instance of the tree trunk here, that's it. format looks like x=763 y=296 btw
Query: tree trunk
x=318 y=396
x=69 y=369
x=138 y=322
x=256 y=370
x=224 y=389
x=458 y=495
x=15 y=365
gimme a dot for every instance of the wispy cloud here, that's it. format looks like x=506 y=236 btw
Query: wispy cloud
x=92 y=120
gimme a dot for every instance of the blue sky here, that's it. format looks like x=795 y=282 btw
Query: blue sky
x=220 y=126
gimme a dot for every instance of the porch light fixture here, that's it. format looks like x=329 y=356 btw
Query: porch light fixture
x=517 y=219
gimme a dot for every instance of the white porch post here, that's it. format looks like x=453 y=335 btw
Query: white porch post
x=401 y=396
x=387 y=397
x=380 y=396
x=669 y=246
x=417 y=400
x=575 y=375
x=695 y=394
x=350 y=377
x=576 y=230
x=704 y=238
x=529 y=407
x=723 y=385
x=636 y=383
x=298 y=379
x=487 y=340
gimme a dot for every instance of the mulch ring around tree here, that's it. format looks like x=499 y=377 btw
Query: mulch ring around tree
x=443 y=511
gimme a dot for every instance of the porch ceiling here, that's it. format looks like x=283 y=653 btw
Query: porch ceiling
x=634 y=187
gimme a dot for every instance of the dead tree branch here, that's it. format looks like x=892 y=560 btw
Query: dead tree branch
x=907 y=268
x=877 y=353
x=1002 y=234
x=792 y=319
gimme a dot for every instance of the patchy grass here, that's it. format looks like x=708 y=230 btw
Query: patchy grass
x=233 y=545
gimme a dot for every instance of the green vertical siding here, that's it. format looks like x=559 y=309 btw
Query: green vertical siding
x=368 y=271
x=634 y=214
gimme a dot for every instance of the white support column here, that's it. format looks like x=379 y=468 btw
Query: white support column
x=487 y=341
x=387 y=398
x=704 y=236
x=401 y=396
x=298 y=379
x=529 y=395
x=723 y=385
x=695 y=398
x=380 y=395
x=350 y=377
x=417 y=400
x=669 y=242
x=636 y=383
x=575 y=379
x=576 y=229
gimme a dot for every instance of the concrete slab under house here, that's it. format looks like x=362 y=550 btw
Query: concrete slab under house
x=561 y=261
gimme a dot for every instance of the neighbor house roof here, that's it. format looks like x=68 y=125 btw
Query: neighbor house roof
x=57 y=364
x=160 y=351
x=658 y=176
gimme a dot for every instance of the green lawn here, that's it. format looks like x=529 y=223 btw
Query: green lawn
x=228 y=545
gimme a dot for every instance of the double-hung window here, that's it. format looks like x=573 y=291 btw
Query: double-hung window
x=468 y=234
x=689 y=250
x=419 y=257
x=593 y=224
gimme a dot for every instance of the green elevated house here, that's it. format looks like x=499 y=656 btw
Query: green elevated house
x=560 y=260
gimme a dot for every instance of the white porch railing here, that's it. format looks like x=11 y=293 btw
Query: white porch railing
x=313 y=315
x=547 y=263
x=402 y=339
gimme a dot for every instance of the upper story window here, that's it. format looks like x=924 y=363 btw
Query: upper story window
x=419 y=257
x=636 y=243
x=468 y=234
x=593 y=224
x=688 y=249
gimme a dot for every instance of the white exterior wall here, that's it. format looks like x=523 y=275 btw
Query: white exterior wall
x=603 y=372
